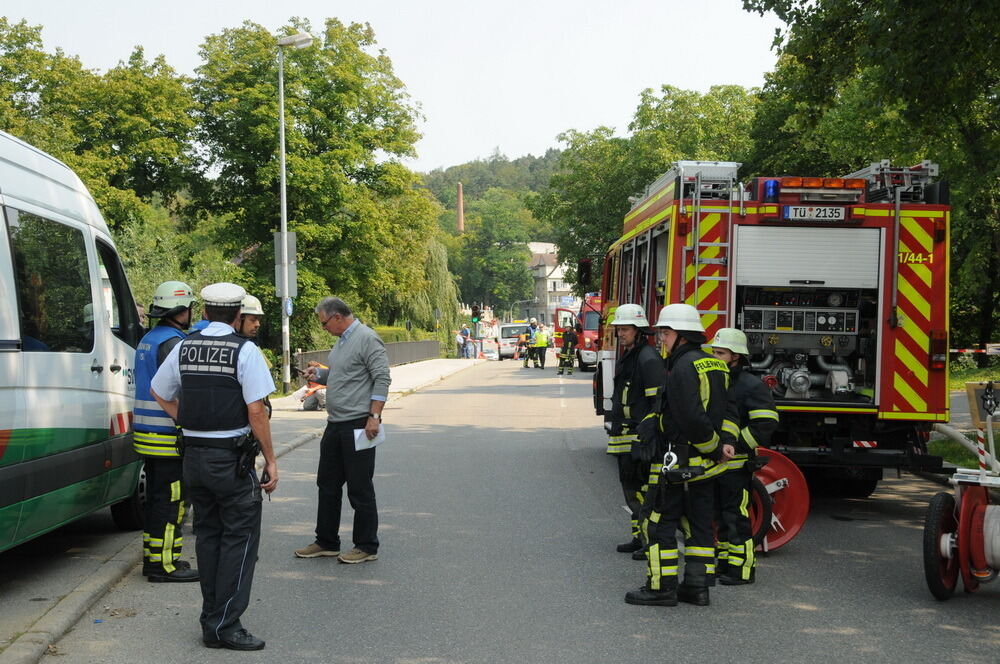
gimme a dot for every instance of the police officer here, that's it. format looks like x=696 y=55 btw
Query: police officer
x=638 y=379
x=213 y=384
x=694 y=407
x=758 y=419
x=155 y=438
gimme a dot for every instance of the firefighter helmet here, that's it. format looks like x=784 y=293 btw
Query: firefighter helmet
x=533 y=320
x=630 y=314
x=732 y=340
x=251 y=305
x=171 y=297
x=680 y=317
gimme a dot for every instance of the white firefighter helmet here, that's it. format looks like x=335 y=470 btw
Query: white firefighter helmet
x=732 y=340
x=533 y=320
x=630 y=314
x=680 y=317
x=251 y=305
x=171 y=297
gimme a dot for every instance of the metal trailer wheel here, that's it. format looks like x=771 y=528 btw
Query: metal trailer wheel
x=760 y=511
x=786 y=485
x=973 y=498
x=940 y=526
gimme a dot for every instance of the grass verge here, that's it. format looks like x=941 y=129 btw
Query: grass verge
x=954 y=452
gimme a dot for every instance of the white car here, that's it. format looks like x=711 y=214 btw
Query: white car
x=507 y=340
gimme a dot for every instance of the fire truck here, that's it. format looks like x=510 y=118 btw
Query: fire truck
x=841 y=285
x=589 y=318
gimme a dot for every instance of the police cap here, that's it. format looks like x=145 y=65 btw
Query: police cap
x=223 y=294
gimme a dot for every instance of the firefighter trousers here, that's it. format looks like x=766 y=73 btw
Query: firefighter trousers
x=632 y=473
x=687 y=506
x=163 y=514
x=735 y=549
x=227 y=510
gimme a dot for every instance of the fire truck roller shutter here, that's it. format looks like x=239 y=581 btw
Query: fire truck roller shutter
x=827 y=257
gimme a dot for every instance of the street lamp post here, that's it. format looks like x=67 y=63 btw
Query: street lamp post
x=300 y=40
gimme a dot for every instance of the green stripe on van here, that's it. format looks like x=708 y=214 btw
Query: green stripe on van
x=27 y=444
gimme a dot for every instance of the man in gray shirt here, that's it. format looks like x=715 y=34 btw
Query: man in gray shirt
x=357 y=383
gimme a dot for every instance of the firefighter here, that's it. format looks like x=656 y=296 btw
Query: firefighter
x=213 y=384
x=155 y=439
x=529 y=342
x=689 y=429
x=247 y=325
x=570 y=339
x=757 y=420
x=541 y=346
x=638 y=379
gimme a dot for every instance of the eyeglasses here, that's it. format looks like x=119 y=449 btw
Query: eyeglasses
x=324 y=322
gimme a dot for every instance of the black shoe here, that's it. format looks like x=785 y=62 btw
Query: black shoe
x=628 y=547
x=239 y=640
x=693 y=595
x=734 y=578
x=646 y=597
x=639 y=555
x=183 y=573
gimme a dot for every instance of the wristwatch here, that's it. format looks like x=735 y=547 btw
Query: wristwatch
x=377 y=416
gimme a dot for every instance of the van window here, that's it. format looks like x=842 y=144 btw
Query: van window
x=53 y=284
x=512 y=331
x=122 y=312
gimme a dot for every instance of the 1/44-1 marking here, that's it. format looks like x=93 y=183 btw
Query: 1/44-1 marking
x=914 y=257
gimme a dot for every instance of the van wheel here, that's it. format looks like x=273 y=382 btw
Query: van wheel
x=128 y=514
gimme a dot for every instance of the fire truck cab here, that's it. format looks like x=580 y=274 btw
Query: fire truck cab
x=841 y=285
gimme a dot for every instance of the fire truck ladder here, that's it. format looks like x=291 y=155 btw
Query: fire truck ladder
x=895 y=184
x=716 y=183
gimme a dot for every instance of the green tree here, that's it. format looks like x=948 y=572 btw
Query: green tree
x=493 y=257
x=938 y=67
x=363 y=228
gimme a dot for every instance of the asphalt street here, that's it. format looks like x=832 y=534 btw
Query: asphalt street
x=499 y=515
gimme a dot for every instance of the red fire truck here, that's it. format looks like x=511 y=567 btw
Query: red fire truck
x=841 y=285
x=589 y=318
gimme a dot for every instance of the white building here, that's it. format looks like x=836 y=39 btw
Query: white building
x=551 y=291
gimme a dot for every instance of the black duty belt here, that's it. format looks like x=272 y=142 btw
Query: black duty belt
x=230 y=443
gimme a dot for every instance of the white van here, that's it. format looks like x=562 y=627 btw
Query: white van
x=68 y=330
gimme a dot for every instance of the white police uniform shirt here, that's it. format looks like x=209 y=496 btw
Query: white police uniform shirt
x=251 y=372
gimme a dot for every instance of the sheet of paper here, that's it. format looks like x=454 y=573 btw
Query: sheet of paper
x=361 y=441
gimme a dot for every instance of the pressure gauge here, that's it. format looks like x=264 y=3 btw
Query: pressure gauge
x=835 y=299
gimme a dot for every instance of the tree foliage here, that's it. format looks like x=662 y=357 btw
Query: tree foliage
x=897 y=79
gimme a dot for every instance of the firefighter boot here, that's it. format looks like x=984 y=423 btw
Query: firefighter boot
x=733 y=577
x=183 y=573
x=697 y=595
x=639 y=555
x=630 y=546
x=646 y=596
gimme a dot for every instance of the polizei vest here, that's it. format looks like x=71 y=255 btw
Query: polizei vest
x=211 y=396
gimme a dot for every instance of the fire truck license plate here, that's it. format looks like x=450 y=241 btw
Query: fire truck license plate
x=814 y=213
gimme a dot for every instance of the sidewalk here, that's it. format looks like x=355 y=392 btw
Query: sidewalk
x=289 y=432
x=406 y=378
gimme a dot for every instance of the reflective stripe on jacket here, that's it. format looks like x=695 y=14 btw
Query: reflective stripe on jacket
x=154 y=432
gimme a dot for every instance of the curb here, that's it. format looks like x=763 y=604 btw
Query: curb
x=32 y=645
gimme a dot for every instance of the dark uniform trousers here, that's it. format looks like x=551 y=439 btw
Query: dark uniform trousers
x=163 y=513
x=688 y=506
x=339 y=464
x=736 y=546
x=227 y=511
x=632 y=474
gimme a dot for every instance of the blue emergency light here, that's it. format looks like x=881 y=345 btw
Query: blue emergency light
x=771 y=190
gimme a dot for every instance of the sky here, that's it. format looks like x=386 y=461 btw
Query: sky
x=507 y=76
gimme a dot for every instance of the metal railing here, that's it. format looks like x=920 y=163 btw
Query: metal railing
x=400 y=352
